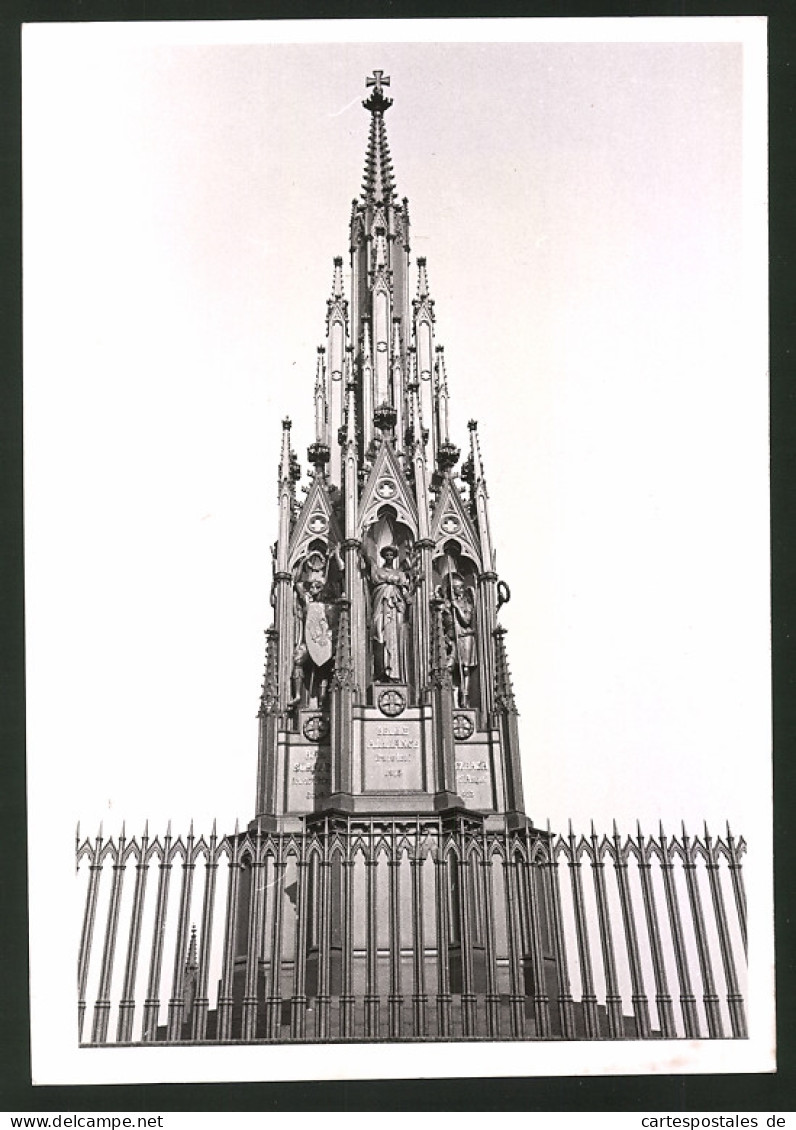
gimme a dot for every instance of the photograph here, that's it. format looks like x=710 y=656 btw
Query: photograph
x=397 y=549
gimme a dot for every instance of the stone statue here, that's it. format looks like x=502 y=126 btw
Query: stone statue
x=458 y=618
x=392 y=587
x=314 y=623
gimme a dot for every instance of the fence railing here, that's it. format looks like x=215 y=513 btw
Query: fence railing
x=410 y=928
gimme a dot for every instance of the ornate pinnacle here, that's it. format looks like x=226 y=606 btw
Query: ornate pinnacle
x=475 y=452
x=320 y=397
x=504 y=691
x=284 y=462
x=269 y=698
x=440 y=671
x=351 y=430
x=422 y=278
x=337 y=280
x=343 y=676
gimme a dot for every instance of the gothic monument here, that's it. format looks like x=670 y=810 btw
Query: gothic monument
x=390 y=885
x=387 y=689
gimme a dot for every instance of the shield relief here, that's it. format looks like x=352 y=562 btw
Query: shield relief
x=318 y=633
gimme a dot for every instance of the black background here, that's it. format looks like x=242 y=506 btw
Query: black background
x=672 y=1094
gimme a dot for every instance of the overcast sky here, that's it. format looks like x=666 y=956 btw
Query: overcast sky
x=590 y=233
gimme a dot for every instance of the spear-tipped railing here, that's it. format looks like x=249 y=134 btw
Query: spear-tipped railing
x=326 y=929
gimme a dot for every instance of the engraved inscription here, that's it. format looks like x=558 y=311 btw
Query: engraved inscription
x=309 y=778
x=473 y=782
x=392 y=756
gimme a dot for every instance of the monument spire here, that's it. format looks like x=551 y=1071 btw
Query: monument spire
x=381 y=574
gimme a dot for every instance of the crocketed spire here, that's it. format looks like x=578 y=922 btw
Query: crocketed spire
x=378 y=182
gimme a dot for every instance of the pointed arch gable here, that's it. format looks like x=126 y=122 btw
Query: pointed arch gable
x=387 y=486
x=315 y=521
x=451 y=522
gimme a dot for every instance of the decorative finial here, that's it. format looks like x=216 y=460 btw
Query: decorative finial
x=377 y=103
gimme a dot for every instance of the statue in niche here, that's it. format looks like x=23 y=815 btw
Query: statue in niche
x=458 y=619
x=392 y=587
x=314 y=593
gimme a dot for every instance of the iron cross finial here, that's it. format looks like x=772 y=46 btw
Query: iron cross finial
x=378 y=81
x=376 y=101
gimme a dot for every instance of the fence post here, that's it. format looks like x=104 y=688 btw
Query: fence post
x=734 y=998
x=202 y=1003
x=254 y=940
x=443 y=939
x=469 y=1018
x=347 y=986
x=102 y=1006
x=710 y=997
x=274 y=1010
x=176 y=1003
x=298 y=1005
x=687 y=998
x=419 y=998
x=639 y=996
x=124 y=1030
x=87 y=933
x=323 y=1000
x=613 y=1000
x=588 y=996
x=516 y=997
x=735 y=851
x=662 y=998
x=152 y=1002
x=553 y=894
x=395 y=999
x=371 y=988
x=492 y=994
x=541 y=1003
x=230 y=942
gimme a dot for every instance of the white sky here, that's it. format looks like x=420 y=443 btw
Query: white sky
x=589 y=228
x=593 y=214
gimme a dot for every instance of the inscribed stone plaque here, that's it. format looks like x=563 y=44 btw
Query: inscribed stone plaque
x=392 y=756
x=308 y=777
x=474 y=776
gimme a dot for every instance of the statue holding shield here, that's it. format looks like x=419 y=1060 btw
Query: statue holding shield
x=314 y=619
x=458 y=619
